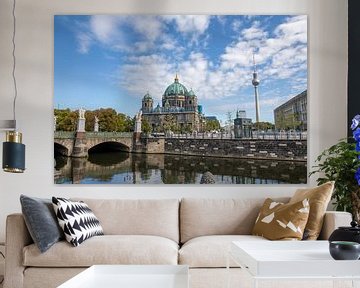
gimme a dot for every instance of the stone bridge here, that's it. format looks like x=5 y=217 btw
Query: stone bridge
x=78 y=144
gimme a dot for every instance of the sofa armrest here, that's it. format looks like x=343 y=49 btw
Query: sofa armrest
x=17 y=237
x=333 y=220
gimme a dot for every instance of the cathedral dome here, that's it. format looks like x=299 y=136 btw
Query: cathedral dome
x=191 y=93
x=147 y=96
x=157 y=109
x=176 y=88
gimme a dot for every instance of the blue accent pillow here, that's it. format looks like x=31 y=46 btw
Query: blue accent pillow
x=41 y=221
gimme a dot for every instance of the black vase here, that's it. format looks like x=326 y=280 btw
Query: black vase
x=344 y=250
x=351 y=234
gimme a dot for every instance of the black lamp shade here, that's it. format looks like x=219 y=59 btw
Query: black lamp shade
x=13 y=157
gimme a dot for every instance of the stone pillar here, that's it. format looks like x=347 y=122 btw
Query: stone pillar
x=80 y=148
x=137 y=133
x=81 y=121
x=96 y=124
x=138 y=122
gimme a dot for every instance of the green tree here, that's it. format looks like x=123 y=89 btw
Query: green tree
x=145 y=126
x=169 y=123
x=263 y=126
x=107 y=119
x=212 y=125
x=90 y=120
x=124 y=123
x=66 y=120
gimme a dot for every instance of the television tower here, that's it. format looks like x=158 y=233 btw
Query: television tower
x=255 y=83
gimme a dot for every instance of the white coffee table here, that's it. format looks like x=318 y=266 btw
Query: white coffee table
x=292 y=260
x=131 y=276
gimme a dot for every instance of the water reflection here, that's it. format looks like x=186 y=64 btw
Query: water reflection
x=129 y=168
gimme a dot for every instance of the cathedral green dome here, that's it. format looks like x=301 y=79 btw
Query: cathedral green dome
x=176 y=88
x=147 y=96
x=191 y=93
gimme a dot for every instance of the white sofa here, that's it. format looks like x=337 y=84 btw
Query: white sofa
x=194 y=232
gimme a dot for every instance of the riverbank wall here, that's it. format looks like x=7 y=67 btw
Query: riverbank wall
x=291 y=150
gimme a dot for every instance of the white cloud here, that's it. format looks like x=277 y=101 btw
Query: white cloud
x=295 y=29
x=253 y=33
x=149 y=27
x=281 y=55
x=146 y=73
x=104 y=28
x=84 y=42
x=108 y=30
x=235 y=25
x=190 y=24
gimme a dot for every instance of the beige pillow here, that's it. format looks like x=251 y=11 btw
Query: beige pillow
x=319 y=198
x=279 y=221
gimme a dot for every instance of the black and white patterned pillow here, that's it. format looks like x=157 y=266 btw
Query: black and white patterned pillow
x=77 y=220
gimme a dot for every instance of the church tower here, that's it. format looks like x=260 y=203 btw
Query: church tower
x=147 y=103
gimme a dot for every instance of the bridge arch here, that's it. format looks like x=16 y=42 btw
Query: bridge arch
x=108 y=146
x=60 y=149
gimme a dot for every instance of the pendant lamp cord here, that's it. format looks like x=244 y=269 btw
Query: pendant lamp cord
x=14 y=61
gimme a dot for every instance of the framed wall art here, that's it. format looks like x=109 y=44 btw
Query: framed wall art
x=180 y=99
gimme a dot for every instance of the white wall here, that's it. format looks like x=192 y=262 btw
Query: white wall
x=327 y=21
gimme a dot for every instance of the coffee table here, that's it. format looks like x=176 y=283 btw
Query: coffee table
x=293 y=260
x=131 y=276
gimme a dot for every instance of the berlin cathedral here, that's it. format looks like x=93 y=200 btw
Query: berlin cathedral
x=179 y=106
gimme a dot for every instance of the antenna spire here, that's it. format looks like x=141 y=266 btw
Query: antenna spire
x=254 y=63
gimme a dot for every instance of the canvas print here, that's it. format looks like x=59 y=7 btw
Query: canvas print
x=180 y=99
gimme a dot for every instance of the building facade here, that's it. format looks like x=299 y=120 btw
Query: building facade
x=292 y=114
x=242 y=125
x=179 y=111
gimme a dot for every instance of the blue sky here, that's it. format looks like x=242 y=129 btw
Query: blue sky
x=113 y=61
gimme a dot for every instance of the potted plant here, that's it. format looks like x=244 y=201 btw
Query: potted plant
x=341 y=163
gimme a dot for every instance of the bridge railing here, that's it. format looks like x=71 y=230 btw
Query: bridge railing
x=71 y=134
x=254 y=135
x=64 y=134
x=109 y=134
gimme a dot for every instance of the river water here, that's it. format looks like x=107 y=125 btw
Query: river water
x=130 y=168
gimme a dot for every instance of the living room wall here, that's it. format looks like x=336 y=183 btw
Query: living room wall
x=327 y=55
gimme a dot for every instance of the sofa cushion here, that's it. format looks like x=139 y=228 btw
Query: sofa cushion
x=211 y=251
x=107 y=249
x=158 y=217
x=201 y=217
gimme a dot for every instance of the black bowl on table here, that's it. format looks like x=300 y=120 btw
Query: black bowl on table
x=344 y=250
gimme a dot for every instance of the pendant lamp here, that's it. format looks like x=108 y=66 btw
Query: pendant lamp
x=13 y=149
